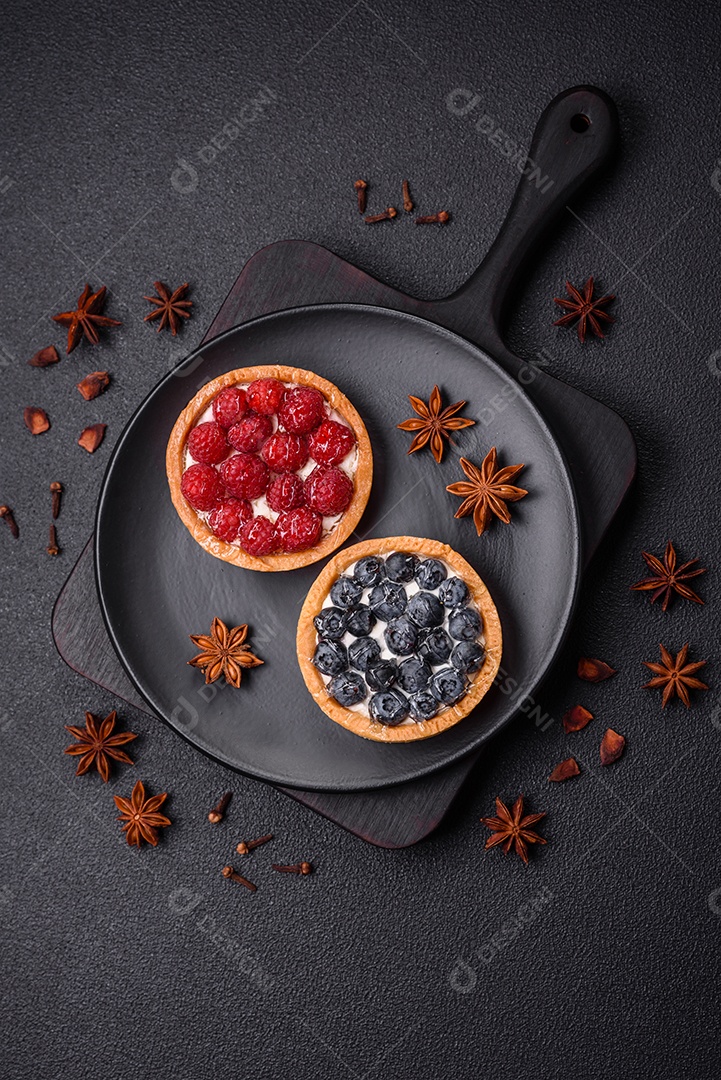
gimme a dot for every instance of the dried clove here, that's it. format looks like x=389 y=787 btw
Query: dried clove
x=217 y=814
x=387 y=215
x=440 y=218
x=407 y=200
x=52 y=548
x=56 y=490
x=246 y=846
x=361 y=187
x=298 y=868
x=229 y=872
x=6 y=512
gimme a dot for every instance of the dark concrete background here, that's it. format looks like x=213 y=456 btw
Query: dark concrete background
x=601 y=958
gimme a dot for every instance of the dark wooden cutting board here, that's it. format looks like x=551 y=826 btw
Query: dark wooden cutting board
x=597 y=445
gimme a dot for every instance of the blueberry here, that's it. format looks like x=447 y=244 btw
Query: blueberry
x=369 y=571
x=401 y=636
x=389 y=706
x=423 y=706
x=400 y=566
x=361 y=621
x=363 y=651
x=454 y=592
x=447 y=686
x=331 y=623
x=413 y=674
x=346 y=593
x=388 y=600
x=348 y=688
x=330 y=657
x=430 y=573
x=464 y=624
x=435 y=645
x=425 y=609
x=468 y=656
x=382 y=674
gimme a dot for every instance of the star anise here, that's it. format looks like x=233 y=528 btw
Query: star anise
x=667 y=577
x=486 y=491
x=97 y=744
x=171 y=307
x=433 y=423
x=86 y=318
x=675 y=676
x=511 y=828
x=583 y=307
x=223 y=653
x=141 y=816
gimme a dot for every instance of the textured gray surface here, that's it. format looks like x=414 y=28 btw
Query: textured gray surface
x=120 y=963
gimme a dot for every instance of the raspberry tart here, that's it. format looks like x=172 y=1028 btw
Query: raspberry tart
x=398 y=639
x=270 y=467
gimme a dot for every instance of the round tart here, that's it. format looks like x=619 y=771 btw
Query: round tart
x=269 y=467
x=398 y=639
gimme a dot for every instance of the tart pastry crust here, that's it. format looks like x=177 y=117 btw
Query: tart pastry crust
x=199 y=530
x=307 y=636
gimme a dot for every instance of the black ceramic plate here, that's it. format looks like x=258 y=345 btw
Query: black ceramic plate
x=157 y=586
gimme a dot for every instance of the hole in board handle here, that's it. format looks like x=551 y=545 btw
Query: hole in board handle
x=580 y=123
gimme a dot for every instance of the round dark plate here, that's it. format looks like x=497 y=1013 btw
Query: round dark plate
x=157 y=586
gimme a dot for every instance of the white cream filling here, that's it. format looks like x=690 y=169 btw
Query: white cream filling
x=349 y=465
x=377 y=633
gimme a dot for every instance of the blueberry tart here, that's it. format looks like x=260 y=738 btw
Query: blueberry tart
x=398 y=639
x=270 y=468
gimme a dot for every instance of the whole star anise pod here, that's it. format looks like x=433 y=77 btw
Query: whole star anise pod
x=675 y=676
x=223 y=653
x=487 y=491
x=141 y=816
x=97 y=744
x=667 y=577
x=583 y=307
x=171 y=307
x=433 y=423
x=86 y=318
x=512 y=829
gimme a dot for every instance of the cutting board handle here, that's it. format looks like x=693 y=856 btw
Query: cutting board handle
x=575 y=136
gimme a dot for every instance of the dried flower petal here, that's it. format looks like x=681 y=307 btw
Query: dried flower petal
x=594 y=670
x=612 y=746
x=45 y=357
x=91 y=437
x=94 y=384
x=565 y=770
x=36 y=420
x=576 y=718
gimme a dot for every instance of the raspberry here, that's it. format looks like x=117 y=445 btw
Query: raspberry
x=285 y=453
x=250 y=433
x=298 y=529
x=229 y=406
x=245 y=476
x=257 y=536
x=329 y=491
x=285 y=493
x=207 y=444
x=302 y=410
x=331 y=442
x=225 y=520
x=265 y=395
x=201 y=487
